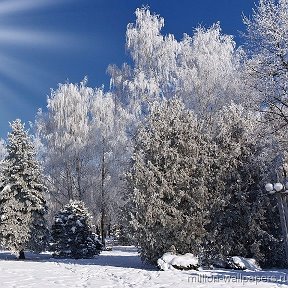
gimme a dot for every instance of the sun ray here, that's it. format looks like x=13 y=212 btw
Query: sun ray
x=21 y=72
x=33 y=37
x=18 y=78
x=9 y=99
x=8 y=7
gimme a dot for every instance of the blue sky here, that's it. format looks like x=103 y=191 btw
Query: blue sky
x=46 y=42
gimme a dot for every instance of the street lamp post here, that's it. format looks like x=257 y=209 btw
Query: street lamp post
x=280 y=191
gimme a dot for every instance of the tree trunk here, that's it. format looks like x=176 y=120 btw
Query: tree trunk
x=68 y=183
x=103 y=227
x=78 y=171
x=21 y=255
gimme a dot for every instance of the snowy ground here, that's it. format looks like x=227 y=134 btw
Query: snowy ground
x=122 y=268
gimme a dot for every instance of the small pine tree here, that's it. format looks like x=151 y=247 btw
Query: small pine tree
x=71 y=233
x=22 y=204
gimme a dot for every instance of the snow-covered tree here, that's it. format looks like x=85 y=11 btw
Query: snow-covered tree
x=267 y=45
x=85 y=149
x=72 y=236
x=22 y=203
x=209 y=70
x=62 y=135
x=111 y=152
x=63 y=130
x=242 y=217
x=267 y=67
x=204 y=69
x=168 y=195
x=200 y=188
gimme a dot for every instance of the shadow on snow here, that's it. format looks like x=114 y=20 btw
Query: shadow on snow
x=126 y=257
x=120 y=256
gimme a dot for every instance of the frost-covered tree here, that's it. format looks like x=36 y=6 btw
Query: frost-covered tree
x=62 y=136
x=267 y=45
x=85 y=149
x=267 y=66
x=210 y=70
x=72 y=236
x=168 y=195
x=140 y=84
x=200 y=188
x=111 y=151
x=64 y=132
x=204 y=69
x=242 y=217
x=22 y=204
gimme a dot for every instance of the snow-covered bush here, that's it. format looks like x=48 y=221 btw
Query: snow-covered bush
x=237 y=263
x=170 y=261
x=71 y=233
x=241 y=263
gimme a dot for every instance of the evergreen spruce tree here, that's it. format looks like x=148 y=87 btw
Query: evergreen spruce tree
x=241 y=214
x=71 y=233
x=199 y=187
x=169 y=198
x=22 y=204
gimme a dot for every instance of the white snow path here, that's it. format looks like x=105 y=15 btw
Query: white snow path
x=122 y=268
